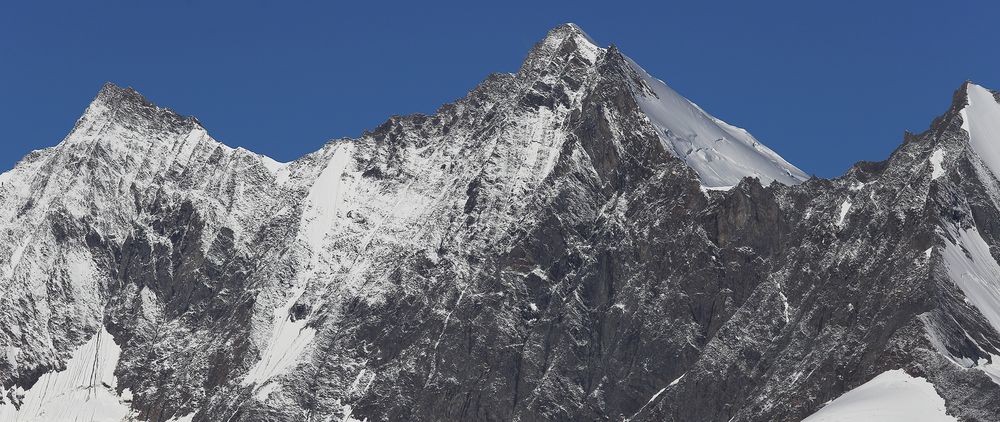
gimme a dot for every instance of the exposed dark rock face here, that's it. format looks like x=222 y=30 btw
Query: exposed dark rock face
x=532 y=251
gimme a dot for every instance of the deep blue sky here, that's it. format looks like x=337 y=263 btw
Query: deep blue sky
x=824 y=85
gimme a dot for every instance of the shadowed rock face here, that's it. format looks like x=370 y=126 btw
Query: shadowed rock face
x=532 y=251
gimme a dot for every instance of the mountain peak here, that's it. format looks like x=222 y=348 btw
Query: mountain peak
x=545 y=202
x=960 y=99
x=565 y=40
x=721 y=154
x=566 y=30
x=112 y=95
x=114 y=102
x=971 y=86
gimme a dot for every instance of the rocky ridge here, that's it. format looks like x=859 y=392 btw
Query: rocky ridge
x=574 y=241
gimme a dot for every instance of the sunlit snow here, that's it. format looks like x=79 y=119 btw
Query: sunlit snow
x=937 y=157
x=981 y=119
x=84 y=391
x=720 y=153
x=972 y=267
x=844 y=209
x=893 y=396
x=289 y=338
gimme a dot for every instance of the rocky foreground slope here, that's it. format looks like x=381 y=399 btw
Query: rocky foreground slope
x=575 y=241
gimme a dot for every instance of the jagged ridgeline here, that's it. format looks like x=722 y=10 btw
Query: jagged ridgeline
x=574 y=241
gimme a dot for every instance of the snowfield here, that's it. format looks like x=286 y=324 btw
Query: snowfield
x=976 y=272
x=893 y=396
x=84 y=391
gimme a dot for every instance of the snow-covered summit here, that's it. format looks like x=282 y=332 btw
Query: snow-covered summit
x=562 y=40
x=721 y=154
x=124 y=122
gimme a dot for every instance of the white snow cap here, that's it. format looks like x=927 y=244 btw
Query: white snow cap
x=548 y=47
x=720 y=153
x=981 y=119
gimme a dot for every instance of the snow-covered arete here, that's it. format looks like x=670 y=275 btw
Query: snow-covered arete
x=720 y=153
x=981 y=119
x=893 y=396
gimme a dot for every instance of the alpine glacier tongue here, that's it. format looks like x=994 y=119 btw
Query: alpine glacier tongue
x=720 y=153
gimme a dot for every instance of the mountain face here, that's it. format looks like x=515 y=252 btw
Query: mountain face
x=575 y=241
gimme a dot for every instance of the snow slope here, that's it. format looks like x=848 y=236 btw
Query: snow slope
x=289 y=338
x=720 y=153
x=972 y=267
x=893 y=396
x=981 y=119
x=84 y=391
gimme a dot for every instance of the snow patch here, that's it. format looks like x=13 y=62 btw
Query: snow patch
x=991 y=367
x=85 y=390
x=936 y=158
x=676 y=381
x=784 y=301
x=11 y=354
x=892 y=396
x=844 y=209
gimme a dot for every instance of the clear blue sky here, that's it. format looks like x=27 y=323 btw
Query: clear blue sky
x=824 y=84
